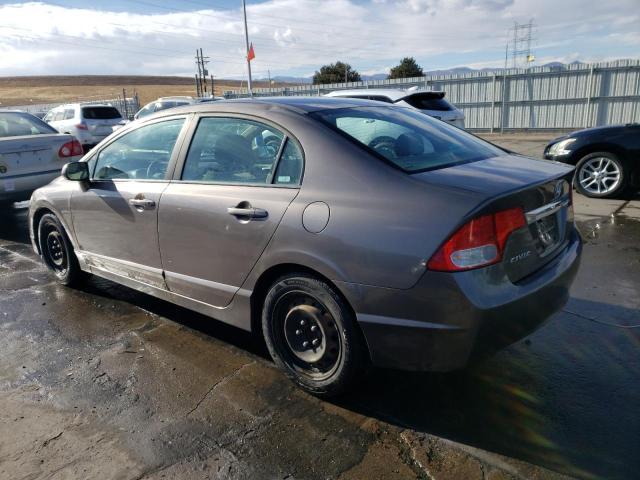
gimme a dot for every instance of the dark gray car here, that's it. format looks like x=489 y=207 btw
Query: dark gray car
x=345 y=231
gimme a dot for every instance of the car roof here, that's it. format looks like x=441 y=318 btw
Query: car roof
x=300 y=105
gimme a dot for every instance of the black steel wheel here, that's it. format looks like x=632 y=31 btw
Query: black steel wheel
x=56 y=250
x=311 y=335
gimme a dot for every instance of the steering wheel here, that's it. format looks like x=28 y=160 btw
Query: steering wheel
x=384 y=145
x=156 y=167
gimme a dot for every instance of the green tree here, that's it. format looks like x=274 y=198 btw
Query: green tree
x=408 y=67
x=335 y=73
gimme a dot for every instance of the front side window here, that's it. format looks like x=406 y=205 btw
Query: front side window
x=19 y=124
x=407 y=138
x=59 y=115
x=233 y=150
x=142 y=154
x=69 y=113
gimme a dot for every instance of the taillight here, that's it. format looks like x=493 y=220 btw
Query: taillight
x=70 y=149
x=478 y=243
x=82 y=126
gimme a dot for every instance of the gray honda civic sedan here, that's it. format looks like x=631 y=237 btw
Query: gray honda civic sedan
x=346 y=232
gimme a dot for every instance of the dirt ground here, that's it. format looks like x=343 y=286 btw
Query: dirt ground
x=104 y=382
x=27 y=90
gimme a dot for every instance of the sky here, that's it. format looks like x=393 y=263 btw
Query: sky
x=296 y=37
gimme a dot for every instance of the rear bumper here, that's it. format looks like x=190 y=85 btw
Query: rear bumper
x=16 y=188
x=447 y=320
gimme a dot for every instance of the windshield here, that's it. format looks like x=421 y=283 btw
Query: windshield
x=408 y=139
x=100 y=113
x=15 y=124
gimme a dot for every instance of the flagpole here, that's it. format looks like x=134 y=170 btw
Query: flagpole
x=246 y=39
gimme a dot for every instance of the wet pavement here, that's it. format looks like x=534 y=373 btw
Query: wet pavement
x=104 y=382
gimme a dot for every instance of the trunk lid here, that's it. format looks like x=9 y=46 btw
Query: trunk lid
x=31 y=154
x=540 y=187
x=100 y=120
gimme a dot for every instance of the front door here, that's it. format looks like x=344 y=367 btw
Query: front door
x=116 y=217
x=217 y=217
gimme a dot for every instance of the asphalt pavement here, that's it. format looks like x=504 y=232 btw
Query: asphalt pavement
x=104 y=382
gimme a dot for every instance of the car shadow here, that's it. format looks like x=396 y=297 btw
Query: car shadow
x=563 y=398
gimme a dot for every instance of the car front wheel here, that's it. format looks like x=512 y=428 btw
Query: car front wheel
x=311 y=334
x=57 y=251
x=600 y=175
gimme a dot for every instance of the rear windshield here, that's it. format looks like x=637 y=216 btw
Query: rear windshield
x=100 y=113
x=18 y=124
x=429 y=102
x=169 y=104
x=407 y=138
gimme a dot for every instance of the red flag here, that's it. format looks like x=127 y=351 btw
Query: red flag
x=251 y=55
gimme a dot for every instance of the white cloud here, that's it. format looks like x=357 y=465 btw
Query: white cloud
x=297 y=36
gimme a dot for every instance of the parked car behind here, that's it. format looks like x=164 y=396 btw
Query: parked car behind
x=163 y=103
x=338 y=250
x=31 y=154
x=90 y=124
x=607 y=159
x=432 y=103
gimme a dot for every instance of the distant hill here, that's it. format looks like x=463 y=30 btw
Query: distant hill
x=448 y=71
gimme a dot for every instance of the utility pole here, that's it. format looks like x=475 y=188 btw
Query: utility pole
x=521 y=48
x=202 y=73
x=246 y=40
x=269 y=75
x=213 y=92
x=346 y=78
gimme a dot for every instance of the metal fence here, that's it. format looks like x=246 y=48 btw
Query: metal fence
x=538 y=98
x=126 y=106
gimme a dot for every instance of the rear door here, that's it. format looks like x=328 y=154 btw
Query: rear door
x=229 y=193
x=116 y=217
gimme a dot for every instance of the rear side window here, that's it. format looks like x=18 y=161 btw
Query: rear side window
x=429 y=102
x=100 y=113
x=407 y=138
x=233 y=150
x=19 y=124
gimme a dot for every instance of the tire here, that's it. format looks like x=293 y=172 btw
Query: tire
x=299 y=308
x=56 y=250
x=600 y=175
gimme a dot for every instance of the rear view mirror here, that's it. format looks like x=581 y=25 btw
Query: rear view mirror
x=76 y=171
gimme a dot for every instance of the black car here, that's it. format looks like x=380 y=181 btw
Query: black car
x=607 y=159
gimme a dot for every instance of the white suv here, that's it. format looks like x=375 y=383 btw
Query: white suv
x=90 y=124
x=429 y=102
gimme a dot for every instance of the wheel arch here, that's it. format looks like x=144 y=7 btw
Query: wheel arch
x=40 y=212
x=270 y=275
x=599 y=147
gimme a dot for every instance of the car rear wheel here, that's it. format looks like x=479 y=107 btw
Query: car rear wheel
x=600 y=175
x=57 y=251
x=311 y=334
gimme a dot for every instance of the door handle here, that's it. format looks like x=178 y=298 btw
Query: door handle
x=142 y=203
x=247 y=212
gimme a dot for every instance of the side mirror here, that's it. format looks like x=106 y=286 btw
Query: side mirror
x=76 y=171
